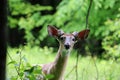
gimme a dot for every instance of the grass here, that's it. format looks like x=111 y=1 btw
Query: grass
x=88 y=68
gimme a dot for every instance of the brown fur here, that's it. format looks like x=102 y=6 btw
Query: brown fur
x=57 y=67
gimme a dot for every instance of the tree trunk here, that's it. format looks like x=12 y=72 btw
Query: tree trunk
x=3 y=19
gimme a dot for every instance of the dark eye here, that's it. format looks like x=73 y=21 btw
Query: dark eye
x=61 y=38
x=73 y=39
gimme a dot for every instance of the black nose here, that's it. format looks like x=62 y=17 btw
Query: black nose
x=67 y=46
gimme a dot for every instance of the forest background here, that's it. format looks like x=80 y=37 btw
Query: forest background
x=29 y=40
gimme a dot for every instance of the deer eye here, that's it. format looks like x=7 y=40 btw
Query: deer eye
x=73 y=39
x=62 y=38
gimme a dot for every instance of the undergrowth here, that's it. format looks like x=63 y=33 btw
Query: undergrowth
x=20 y=63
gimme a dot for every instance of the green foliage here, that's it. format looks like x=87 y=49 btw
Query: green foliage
x=27 y=16
x=107 y=69
x=22 y=66
x=111 y=42
x=24 y=69
x=104 y=24
x=69 y=16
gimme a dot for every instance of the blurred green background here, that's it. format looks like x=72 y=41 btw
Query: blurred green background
x=27 y=26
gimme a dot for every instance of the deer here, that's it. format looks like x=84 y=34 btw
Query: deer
x=66 y=43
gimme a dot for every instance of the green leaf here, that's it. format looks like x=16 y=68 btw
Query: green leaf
x=12 y=62
x=49 y=76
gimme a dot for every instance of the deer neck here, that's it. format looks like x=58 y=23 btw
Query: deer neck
x=60 y=62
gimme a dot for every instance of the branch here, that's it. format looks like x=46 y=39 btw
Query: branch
x=20 y=60
x=17 y=69
x=87 y=18
x=88 y=12
x=85 y=69
x=77 y=67
x=96 y=69
x=70 y=71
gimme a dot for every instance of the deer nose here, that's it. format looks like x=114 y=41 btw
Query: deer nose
x=67 y=46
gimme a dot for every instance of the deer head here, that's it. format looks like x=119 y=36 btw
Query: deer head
x=67 y=40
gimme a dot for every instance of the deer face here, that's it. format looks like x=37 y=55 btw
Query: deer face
x=67 y=40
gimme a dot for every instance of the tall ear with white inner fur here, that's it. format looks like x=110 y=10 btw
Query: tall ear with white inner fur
x=82 y=34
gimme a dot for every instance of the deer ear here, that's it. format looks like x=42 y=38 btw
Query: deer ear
x=52 y=31
x=82 y=34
